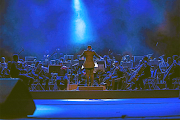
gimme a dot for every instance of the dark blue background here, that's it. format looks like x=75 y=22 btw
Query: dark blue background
x=136 y=27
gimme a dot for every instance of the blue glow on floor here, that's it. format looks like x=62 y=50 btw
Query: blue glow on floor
x=107 y=108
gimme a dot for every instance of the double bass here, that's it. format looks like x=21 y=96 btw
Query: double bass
x=169 y=69
x=109 y=74
x=21 y=51
x=134 y=77
x=137 y=73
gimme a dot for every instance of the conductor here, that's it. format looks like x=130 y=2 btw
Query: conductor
x=89 y=63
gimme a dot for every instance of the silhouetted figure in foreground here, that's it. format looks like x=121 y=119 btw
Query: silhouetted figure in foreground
x=16 y=72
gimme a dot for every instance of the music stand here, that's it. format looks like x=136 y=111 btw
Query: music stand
x=54 y=68
x=101 y=65
x=81 y=62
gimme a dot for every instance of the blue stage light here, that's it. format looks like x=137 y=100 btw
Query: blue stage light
x=80 y=25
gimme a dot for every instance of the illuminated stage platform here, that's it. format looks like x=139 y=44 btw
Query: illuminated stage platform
x=105 y=94
x=106 y=104
x=107 y=109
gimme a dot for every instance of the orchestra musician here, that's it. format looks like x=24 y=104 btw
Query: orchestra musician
x=79 y=72
x=175 y=71
x=116 y=72
x=122 y=76
x=169 y=61
x=5 y=73
x=89 y=63
x=145 y=74
x=108 y=64
x=40 y=74
x=2 y=65
x=62 y=78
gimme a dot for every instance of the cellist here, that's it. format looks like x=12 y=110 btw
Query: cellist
x=145 y=74
x=175 y=68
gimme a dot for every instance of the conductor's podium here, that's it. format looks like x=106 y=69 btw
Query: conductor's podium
x=91 y=88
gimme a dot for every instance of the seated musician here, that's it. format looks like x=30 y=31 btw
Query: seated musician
x=107 y=63
x=0 y=70
x=169 y=61
x=62 y=78
x=174 y=72
x=163 y=65
x=81 y=74
x=73 y=73
x=5 y=73
x=115 y=73
x=2 y=65
x=122 y=75
x=145 y=74
x=3 y=61
x=40 y=74
x=16 y=72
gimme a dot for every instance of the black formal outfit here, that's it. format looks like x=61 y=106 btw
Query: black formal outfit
x=175 y=73
x=15 y=72
x=146 y=73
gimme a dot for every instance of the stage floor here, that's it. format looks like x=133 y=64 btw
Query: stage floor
x=107 y=109
x=105 y=94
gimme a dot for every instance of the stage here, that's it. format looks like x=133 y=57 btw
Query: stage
x=107 y=109
x=105 y=94
x=106 y=104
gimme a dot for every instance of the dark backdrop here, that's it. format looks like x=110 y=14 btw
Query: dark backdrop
x=136 y=27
